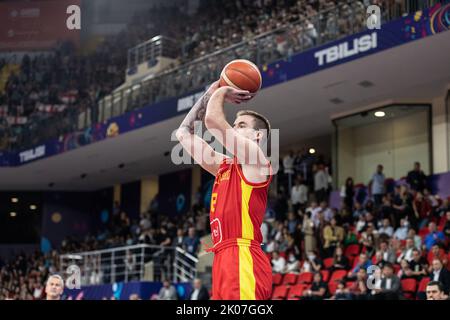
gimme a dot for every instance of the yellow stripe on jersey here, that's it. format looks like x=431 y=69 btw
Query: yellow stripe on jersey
x=247 y=282
x=247 y=225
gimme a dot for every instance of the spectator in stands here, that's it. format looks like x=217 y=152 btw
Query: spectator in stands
x=358 y=289
x=167 y=292
x=377 y=185
x=333 y=235
x=293 y=265
x=309 y=232
x=359 y=211
x=200 y=292
x=402 y=232
x=416 y=178
x=288 y=164
x=299 y=195
x=179 y=240
x=387 y=252
x=318 y=288
x=417 y=239
x=278 y=263
x=390 y=285
x=361 y=223
x=348 y=192
x=342 y=293
x=312 y=263
x=434 y=236
x=368 y=238
x=340 y=261
x=405 y=271
x=418 y=265
x=435 y=291
x=54 y=287
x=386 y=228
x=292 y=222
x=446 y=229
x=320 y=183
x=422 y=209
x=437 y=252
x=439 y=273
x=350 y=236
x=363 y=263
x=407 y=252
x=328 y=214
x=191 y=242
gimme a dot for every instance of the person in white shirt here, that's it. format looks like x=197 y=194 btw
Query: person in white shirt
x=278 y=263
x=327 y=212
x=361 y=223
x=299 y=195
x=292 y=265
x=320 y=183
x=402 y=232
x=386 y=228
x=407 y=253
x=288 y=164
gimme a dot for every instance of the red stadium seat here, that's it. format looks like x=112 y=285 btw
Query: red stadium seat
x=338 y=275
x=409 y=288
x=423 y=284
x=397 y=268
x=289 y=278
x=423 y=232
x=430 y=255
x=305 y=277
x=297 y=290
x=328 y=263
x=277 y=278
x=325 y=275
x=332 y=286
x=280 y=292
x=349 y=284
x=352 y=250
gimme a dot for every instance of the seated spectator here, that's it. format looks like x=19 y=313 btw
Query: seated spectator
x=402 y=232
x=368 y=239
x=312 y=263
x=407 y=252
x=405 y=271
x=437 y=253
x=342 y=293
x=333 y=235
x=361 y=223
x=446 y=229
x=199 y=291
x=318 y=288
x=293 y=265
x=435 y=291
x=359 y=211
x=378 y=259
x=386 y=228
x=327 y=212
x=167 y=292
x=358 y=289
x=434 y=237
x=278 y=263
x=387 y=252
x=350 y=236
x=363 y=263
x=340 y=261
x=439 y=273
x=418 y=265
x=390 y=288
x=417 y=239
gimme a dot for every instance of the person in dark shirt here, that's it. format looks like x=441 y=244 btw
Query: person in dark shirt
x=416 y=178
x=318 y=288
x=340 y=261
x=418 y=265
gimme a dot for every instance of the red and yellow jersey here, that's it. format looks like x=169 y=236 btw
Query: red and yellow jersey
x=237 y=205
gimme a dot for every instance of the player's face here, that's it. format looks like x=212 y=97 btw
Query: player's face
x=433 y=293
x=244 y=126
x=54 y=287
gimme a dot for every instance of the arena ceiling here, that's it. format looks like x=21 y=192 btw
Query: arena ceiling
x=301 y=109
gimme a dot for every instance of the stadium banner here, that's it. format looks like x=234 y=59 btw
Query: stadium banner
x=35 y=25
x=404 y=30
x=123 y=291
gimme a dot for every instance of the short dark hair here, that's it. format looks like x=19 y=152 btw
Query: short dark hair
x=436 y=283
x=261 y=123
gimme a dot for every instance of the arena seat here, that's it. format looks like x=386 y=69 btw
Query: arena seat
x=277 y=278
x=409 y=288
x=352 y=250
x=305 y=277
x=325 y=275
x=289 y=278
x=280 y=292
x=297 y=290
x=338 y=275
x=328 y=263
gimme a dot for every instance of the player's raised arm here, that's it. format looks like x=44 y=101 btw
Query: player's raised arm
x=247 y=151
x=198 y=148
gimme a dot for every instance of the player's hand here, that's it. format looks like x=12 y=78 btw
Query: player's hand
x=213 y=87
x=236 y=96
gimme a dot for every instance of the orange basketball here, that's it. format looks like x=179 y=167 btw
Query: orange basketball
x=241 y=74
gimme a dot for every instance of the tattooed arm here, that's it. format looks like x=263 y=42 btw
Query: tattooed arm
x=198 y=148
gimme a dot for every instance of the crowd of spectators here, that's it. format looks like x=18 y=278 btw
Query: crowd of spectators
x=400 y=227
x=48 y=94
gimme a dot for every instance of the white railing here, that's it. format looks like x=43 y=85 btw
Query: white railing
x=184 y=266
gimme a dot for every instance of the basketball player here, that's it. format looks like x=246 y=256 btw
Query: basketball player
x=54 y=287
x=241 y=271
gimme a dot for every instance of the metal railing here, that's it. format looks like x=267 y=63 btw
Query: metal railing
x=287 y=40
x=184 y=266
x=122 y=264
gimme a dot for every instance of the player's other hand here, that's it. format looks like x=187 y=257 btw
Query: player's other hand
x=213 y=87
x=236 y=96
